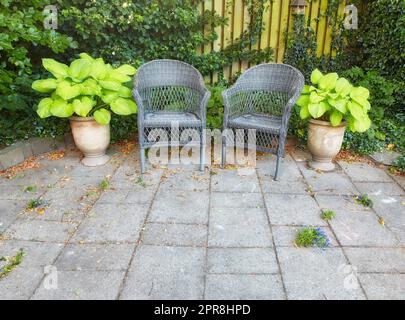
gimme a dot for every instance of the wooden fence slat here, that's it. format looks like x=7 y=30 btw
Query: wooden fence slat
x=277 y=19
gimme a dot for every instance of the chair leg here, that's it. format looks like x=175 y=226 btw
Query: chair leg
x=202 y=152
x=223 y=159
x=277 y=167
x=143 y=160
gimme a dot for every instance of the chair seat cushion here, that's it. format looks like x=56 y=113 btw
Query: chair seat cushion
x=165 y=118
x=257 y=121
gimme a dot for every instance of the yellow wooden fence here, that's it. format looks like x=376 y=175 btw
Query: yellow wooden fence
x=277 y=19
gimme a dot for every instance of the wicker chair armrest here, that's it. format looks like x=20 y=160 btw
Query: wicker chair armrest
x=205 y=96
x=227 y=95
x=138 y=100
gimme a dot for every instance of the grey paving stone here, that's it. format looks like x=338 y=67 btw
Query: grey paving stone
x=284 y=236
x=113 y=196
x=289 y=171
x=126 y=177
x=104 y=257
x=391 y=209
x=112 y=223
x=9 y=211
x=386 y=157
x=236 y=200
x=11 y=156
x=82 y=285
x=246 y=260
x=17 y=192
x=300 y=155
x=361 y=228
x=20 y=283
x=399 y=179
x=36 y=254
x=142 y=196
x=175 y=234
x=380 y=188
x=186 y=180
x=99 y=171
x=363 y=172
x=384 y=286
x=180 y=207
x=377 y=259
x=244 y=227
x=287 y=209
x=335 y=182
x=234 y=181
x=42 y=145
x=343 y=203
x=244 y=287
x=159 y=272
x=283 y=186
x=317 y=274
x=38 y=230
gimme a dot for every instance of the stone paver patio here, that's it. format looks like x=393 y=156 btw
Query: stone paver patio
x=178 y=233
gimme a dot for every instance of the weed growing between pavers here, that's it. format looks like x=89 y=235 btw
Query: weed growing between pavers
x=38 y=205
x=312 y=237
x=11 y=263
x=105 y=184
x=32 y=188
x=139 y=181
x=364 y=200
x=328 y=215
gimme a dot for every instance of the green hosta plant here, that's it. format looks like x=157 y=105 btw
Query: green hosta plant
x=88 y=87
x=335 y=99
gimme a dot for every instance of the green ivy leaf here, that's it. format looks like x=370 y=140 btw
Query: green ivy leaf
x=328 y=82
x=83 y=106
x=343 y=87
x=102 y=116
x=123 y=107
x=303 y=101
x=44 y=86
x=126 y=69
x=61 y=109
x=110 y=85
x=44 y=108
x=67 y=91
x=336 y=118
x=80 y=69
x=316 y=76
x=59 y=70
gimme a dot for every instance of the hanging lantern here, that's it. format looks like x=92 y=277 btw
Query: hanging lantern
x=298 y=6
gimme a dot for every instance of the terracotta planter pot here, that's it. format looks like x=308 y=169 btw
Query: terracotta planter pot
x=324 y=143
x=92 y=139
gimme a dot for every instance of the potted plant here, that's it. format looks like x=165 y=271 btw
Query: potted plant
x=87 y=92
x=332 y=104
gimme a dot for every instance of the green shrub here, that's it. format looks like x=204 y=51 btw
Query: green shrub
x=387 y=113
x=381 y=37
x=399 y=163
x=88 y=87
x=215 y=109
x=22 y=39
x=335 y=99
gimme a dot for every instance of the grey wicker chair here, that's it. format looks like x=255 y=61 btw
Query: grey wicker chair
x=262 y=99
x=168 y=91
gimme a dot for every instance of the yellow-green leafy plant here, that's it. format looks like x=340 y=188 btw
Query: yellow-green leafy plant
x=88 y=87
x=335 y=99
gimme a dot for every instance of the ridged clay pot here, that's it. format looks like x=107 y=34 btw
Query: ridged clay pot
x=92 y=139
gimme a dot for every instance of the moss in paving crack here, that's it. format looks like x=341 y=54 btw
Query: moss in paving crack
x=32 y=188
x=312 y=237
x=36 y=203
x=328 y=215
x=140 y=182
x=11 y=263
x=364 y=200
x=104 y=185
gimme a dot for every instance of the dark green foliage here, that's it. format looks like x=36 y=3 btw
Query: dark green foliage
x=23 y=40
x=312 y=237
x=364 y=200
x=387 y=113
x=399 y=163
x=381 y=37
x=215 y=110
